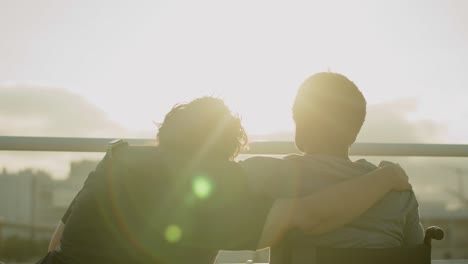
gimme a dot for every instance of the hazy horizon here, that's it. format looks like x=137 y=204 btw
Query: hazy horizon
x=40 y=111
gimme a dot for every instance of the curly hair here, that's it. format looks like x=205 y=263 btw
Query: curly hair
x=205 y=127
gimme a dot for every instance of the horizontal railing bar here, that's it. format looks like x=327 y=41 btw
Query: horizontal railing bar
x=371 y=149
x=68 y=144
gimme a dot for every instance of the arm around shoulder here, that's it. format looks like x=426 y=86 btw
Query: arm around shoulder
x=332 y=207
x=341 y=203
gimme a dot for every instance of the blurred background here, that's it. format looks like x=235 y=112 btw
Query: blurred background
x=113 y=68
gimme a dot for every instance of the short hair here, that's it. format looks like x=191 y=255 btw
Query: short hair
x=204 y=126
x=332 y=97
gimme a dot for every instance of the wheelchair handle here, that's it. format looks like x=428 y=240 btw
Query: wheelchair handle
x=433 y=232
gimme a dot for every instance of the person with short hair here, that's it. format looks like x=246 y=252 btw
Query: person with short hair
x=185 y=199
x=329 y=111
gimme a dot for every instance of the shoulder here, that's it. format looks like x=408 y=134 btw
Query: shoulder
x=121 y=153
x=260 y=162
x=265 y=168
x=365 y=164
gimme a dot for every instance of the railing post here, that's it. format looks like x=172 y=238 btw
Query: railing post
x=1 y=238
x=32 y=234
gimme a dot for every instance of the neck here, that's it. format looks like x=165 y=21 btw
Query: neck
x=335 y=151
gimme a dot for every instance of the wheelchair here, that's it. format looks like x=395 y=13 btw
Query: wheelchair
x=297 y=250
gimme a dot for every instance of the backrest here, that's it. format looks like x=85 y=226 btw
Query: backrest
x=297 y=249
x=310 y=255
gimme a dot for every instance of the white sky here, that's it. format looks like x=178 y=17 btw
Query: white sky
x=135 y=59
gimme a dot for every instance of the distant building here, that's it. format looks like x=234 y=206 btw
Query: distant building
x=25 y=198
x=24 y=195
x=31 y=197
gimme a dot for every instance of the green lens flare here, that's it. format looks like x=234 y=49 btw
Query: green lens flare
x=202 y=187
x=173 y=233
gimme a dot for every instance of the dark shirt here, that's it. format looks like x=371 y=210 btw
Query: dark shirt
x=140 y=206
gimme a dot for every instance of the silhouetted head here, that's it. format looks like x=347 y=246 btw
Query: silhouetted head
x=204 y=127
x=329 y=111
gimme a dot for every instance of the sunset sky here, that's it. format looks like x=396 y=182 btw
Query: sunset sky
x=117 y=66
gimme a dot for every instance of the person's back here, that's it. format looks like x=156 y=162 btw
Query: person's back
x=392 y=222
x=140 y=210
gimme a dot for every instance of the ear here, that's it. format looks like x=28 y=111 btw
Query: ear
x=299 y=137
x=351 y=138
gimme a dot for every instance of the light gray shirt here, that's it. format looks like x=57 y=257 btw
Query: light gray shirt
x=392 y=222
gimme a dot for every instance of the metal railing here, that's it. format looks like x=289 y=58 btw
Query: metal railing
x=68 y=144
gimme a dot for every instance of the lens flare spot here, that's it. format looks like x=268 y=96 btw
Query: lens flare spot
x=173 y=233
x=202 y=187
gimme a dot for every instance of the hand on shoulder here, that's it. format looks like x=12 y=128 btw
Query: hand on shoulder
x=400 y=180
